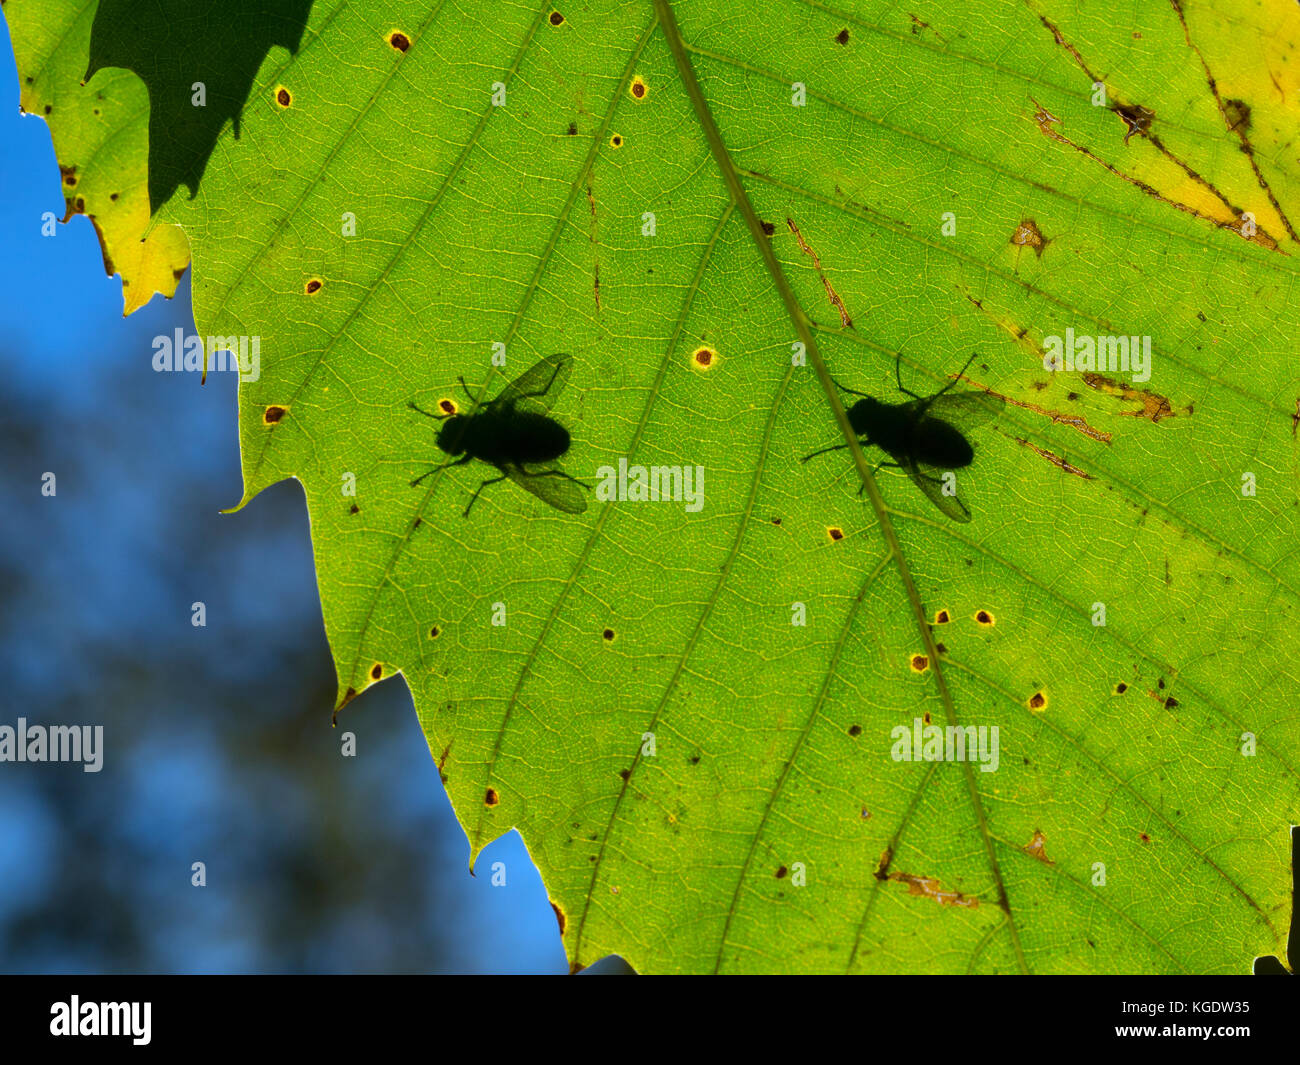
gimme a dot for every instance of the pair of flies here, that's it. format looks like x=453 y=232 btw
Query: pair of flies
x=924 y=436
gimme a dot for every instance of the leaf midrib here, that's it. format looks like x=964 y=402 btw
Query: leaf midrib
x=722 y=157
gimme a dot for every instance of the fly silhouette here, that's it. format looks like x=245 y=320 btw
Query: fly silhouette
x=515 y=433
x=924 y=436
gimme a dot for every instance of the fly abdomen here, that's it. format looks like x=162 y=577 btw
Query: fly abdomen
x=516 y=437
x=938 y=444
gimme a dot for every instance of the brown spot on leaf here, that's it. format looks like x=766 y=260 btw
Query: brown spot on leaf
x=928 y=887
x=1074 y=421
x=1137 y=118
x=1154 y=406
x=1028 y=235
x=1037 y=847
x=348 y=696
x=1055 y=460
x=1237 y=114
x=831 y=294
x=1047 y=123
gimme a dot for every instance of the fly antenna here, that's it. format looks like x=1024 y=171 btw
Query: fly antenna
x=898 y=376
x=843 y=388
x=960 y=375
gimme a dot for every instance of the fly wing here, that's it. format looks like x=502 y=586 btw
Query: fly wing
x=930 y=480
x=965 y=410
x=538 y=387
x=550 y=484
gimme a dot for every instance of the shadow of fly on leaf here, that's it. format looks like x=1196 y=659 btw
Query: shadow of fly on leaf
x=924 y=436
x=515 y=433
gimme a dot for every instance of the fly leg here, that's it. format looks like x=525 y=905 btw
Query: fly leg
x=927 y=400
x=474 y=497
x=879 y=467
x=960 y=375
x=457 y=462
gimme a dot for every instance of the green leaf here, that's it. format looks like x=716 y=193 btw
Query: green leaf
x=101 y=137
x=705 y=784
